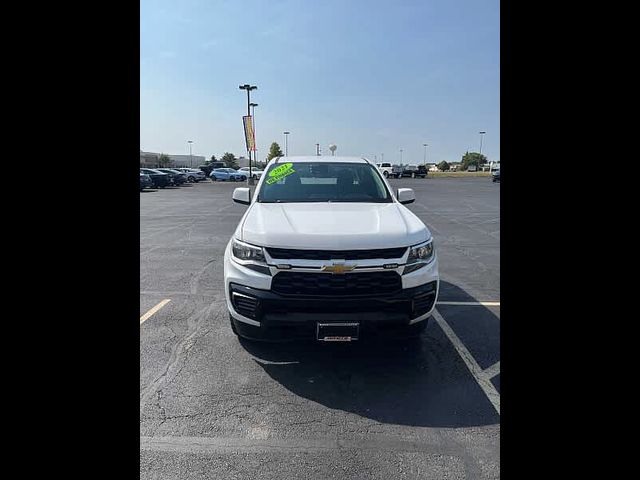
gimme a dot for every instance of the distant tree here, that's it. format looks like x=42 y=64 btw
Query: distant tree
x=164 y=160
x=229 y=160
x=213 y=159
x=472 y=158
x=274 y=151
x=443 y=166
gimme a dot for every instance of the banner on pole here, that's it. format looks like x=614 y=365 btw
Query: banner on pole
x=249 y=134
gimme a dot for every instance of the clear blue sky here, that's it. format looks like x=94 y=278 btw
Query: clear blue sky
x=371 y=76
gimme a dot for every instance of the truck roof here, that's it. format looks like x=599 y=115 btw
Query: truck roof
x=321 y=158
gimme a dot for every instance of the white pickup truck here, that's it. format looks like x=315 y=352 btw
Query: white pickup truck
x=386 y=169
x=327 y=250
x=255 y=173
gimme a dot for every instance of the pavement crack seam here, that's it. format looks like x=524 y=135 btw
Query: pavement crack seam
x=193 y=324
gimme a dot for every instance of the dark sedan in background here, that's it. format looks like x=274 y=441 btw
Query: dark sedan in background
x=159 y=179
x=495 y=176
x=145 y=181
x=176 y=176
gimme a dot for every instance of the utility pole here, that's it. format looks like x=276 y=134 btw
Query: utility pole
x=317 y=149
x=190 y=155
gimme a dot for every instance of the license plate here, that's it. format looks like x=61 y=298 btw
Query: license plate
x=337 y=331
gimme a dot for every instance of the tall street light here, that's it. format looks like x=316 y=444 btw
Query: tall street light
x=425 y=145
x=481 y=134
x=248 y=88
x=286 y=143
x=480 y=159
x=190 y=155
x=400 y=156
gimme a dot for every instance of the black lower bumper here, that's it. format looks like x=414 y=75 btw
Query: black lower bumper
x=285 y=317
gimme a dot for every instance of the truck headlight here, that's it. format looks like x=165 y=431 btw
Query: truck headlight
x=245 y=252
x=419 y=256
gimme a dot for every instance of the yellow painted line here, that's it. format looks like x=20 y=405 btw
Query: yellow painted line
x=144 y=317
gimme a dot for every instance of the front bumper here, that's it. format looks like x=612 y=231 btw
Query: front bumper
x=260 y=313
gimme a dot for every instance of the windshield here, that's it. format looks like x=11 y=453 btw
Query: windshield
x=323 y=182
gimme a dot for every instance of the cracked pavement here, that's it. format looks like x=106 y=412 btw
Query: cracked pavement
x=215 y=407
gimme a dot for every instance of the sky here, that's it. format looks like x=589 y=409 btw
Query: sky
x=369 y=76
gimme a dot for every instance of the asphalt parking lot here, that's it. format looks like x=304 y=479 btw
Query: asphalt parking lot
x=214 y=407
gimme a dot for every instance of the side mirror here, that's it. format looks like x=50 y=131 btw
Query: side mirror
x=242 y=195
x=405 y=195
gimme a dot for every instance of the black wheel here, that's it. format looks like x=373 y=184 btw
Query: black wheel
x=191 y=179
x=214 y=179
x=255 y=177
x=386 y=174
x=243 y=178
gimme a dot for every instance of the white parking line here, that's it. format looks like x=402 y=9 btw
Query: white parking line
x=480 y=376
x=144 y=317
x=485 y=304
x=493 y=370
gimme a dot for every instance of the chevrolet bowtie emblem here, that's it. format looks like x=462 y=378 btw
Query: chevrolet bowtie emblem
x=338 y=268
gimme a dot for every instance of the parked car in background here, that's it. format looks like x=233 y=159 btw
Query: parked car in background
x=495 y=176
x=193 y=175
x=386 y=169
x=414 y=171
x=145 y=181
x=211 y=166
x=159 y=179
x=255 y=173
x=176 y=176
x=227 y=174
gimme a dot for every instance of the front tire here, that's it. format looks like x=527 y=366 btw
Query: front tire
x=243 y=178
x=386 y=174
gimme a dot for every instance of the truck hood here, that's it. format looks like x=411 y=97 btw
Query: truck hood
x=331 y=226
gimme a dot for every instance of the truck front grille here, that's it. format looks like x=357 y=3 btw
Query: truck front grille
x=286 y=254
x=327 y=284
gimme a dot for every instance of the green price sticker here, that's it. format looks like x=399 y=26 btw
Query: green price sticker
x=280 y=172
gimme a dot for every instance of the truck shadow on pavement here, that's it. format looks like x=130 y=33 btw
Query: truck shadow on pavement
x=421 y=382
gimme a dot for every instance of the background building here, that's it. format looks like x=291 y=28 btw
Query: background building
x=151 y=159
x=148 y=159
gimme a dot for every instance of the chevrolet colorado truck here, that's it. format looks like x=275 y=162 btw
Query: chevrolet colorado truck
x=326 y=250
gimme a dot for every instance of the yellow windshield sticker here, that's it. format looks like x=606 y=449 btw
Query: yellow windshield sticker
x=280 y=172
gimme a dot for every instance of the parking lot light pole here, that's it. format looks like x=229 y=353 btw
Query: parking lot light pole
x=286 y=143
x=190 y=155
x=425 y=145
x=481 y=134
x=400 y=157
x=248 y=88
